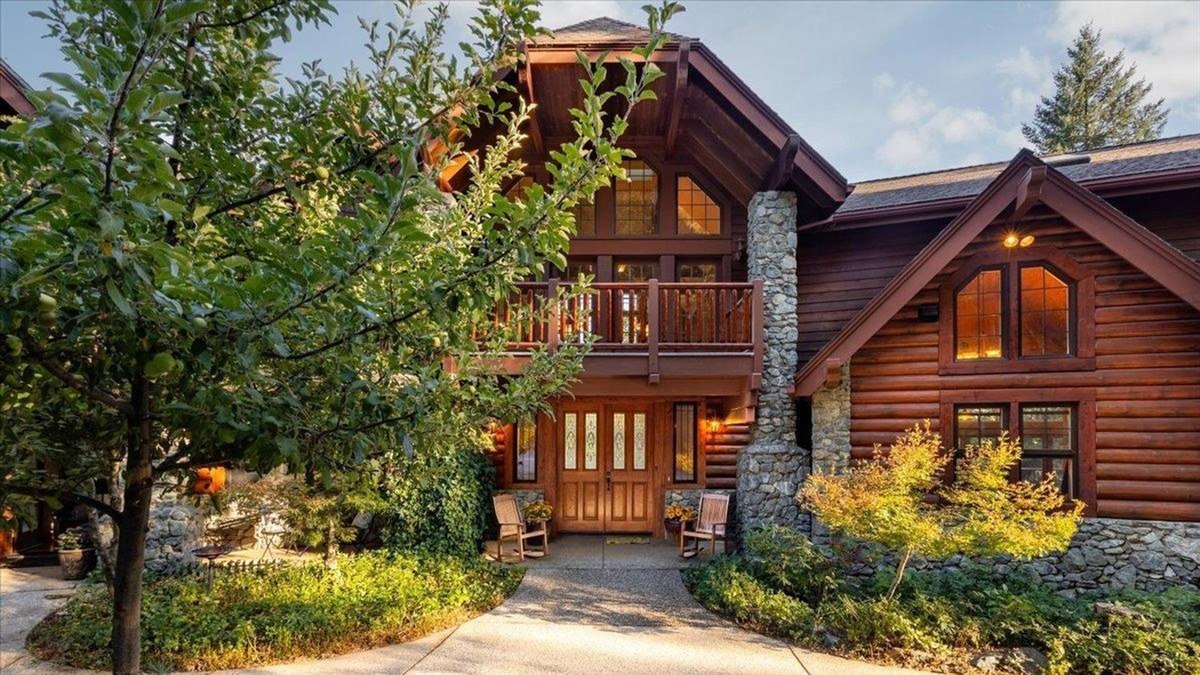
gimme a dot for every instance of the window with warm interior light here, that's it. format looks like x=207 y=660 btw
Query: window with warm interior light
x=585 y=218
x=685 y=443
x=637 y=201
x=698 y=213
x=1045 y=312
x=979 y=317
x=525 y=466
x=1048 y=443
x=696 y=272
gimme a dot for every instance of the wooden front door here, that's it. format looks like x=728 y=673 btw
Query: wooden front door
x=605 y=471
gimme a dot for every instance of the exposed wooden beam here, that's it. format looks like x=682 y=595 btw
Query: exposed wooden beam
x=1029 y=192
x=678 y=94
x=727 y=170
x=785 y=161
x=525 y=76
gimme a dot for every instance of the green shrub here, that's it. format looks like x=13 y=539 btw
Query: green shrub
x=723 y=586
x=281 y=614
x=440 y=503
x=878 y=625
x=786 y=560
x=1120 y=644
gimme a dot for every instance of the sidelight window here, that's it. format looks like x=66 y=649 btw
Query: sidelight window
x=525 y=468
x=685 y=443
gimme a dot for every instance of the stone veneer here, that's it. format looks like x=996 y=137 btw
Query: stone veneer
x=175 y=529
x=831 y=425
x=772 y=468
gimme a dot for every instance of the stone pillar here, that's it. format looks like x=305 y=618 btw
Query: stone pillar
x=773 y=467
x=831 y=425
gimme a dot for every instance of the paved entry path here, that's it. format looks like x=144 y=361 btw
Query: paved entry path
x=26 y=595
x=592 y=607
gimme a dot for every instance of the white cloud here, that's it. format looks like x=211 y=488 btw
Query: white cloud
x=1023 y=66
x=929 y=135
x=884 y=81
x=1160 y=37
x=910 y=105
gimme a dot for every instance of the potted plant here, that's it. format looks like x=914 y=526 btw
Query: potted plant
x=72 y=557
x=538 y=512
x=676 y=515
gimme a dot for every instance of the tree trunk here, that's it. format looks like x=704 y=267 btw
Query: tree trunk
x=331 y=542
x=131 y=541
x=904 y=556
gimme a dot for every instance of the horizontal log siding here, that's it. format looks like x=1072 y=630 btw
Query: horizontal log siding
x=1146 y=381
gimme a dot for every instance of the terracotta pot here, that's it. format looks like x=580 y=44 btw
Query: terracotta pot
x=73 y=563
x=672 y=526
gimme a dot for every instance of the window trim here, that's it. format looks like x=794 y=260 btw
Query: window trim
x=1083 y=399
x=697 y=410
x=1080 y=280
x=722 y=208
x=516 y=440
x=656 y=217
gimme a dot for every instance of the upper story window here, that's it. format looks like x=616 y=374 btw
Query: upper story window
x=637 y=201
x=978 y=317
x=698 y=213
x=1045 y=310
x=1032 y=310
x=585 y=219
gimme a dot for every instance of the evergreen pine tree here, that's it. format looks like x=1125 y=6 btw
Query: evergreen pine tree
x=1096 y=102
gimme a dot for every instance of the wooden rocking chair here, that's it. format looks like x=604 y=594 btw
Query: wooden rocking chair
x=710 y=525
x=512 y=526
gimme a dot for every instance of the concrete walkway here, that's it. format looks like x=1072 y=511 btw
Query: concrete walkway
x=594 y=607
x=27 y=594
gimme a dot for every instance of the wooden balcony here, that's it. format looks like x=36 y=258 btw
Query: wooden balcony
x=655 y=329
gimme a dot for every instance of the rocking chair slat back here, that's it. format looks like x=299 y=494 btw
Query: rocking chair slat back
x=714 y=510
x=507 y=511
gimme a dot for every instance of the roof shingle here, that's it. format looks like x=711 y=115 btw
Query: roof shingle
x=1120 y=160
x=602 y=30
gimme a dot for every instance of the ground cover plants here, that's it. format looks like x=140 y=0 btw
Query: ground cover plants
x=281 y=614
x=949 y=621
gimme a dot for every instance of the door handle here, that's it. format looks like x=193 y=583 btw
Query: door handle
x=608 y=481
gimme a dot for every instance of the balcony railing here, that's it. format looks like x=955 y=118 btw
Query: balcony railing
x=648 y=317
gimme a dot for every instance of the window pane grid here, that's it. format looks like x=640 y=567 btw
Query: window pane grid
x=525 y=469
x=1048 y=444
x=637 y=201
x=979 y=326
x=698 y=213
x=1045 y=313
x=585 y=218
x=696 y=272
x=975 y=424
x=685 y=443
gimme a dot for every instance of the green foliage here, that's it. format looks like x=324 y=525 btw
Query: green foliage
x=786 y=560
x=724 y=586
x=281 y=614
x=940 y=620
x=1096 y=102
x=71 y=539
x=440 y=502
x=983 y=512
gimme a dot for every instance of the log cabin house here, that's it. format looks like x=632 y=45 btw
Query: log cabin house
x=759 y=318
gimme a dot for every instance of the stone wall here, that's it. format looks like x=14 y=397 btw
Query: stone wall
x=175 y=529
x=524 y=496
x=831 y=425
x=772 y=468
x=689 y=497
x=1106 y=554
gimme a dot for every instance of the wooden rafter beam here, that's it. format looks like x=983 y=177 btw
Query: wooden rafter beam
x=1029 y=192
x=785 y=162
x=678 y=94
x=525 y=76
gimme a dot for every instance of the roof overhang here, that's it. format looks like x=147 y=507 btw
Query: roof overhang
x=1024 y=183
x=13 y=100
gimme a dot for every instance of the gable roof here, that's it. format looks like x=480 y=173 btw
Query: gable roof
x=13 y=100
x=1088 y=167
x=603 y=30
x=1024 y=182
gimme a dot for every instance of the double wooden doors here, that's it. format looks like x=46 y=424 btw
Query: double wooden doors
x=604 y=467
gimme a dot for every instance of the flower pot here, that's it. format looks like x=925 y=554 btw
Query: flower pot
x=73 y=563
x=672 y=526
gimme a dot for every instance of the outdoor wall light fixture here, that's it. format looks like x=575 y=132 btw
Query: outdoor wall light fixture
x=1013 y=240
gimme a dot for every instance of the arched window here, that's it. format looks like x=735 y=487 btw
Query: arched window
x=979 y=317
x=637 y=201
x=1032 y=310
x=1045 y=313
x=698 y=213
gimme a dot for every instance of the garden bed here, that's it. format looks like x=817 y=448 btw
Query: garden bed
x=281 y=614
x=962 y=621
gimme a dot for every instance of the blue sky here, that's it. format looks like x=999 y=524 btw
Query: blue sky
x=878 y=88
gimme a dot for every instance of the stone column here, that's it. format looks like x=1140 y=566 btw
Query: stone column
x=831 y=425
x=773 y=467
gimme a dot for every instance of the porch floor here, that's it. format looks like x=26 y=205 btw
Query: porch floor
x=603 y=552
